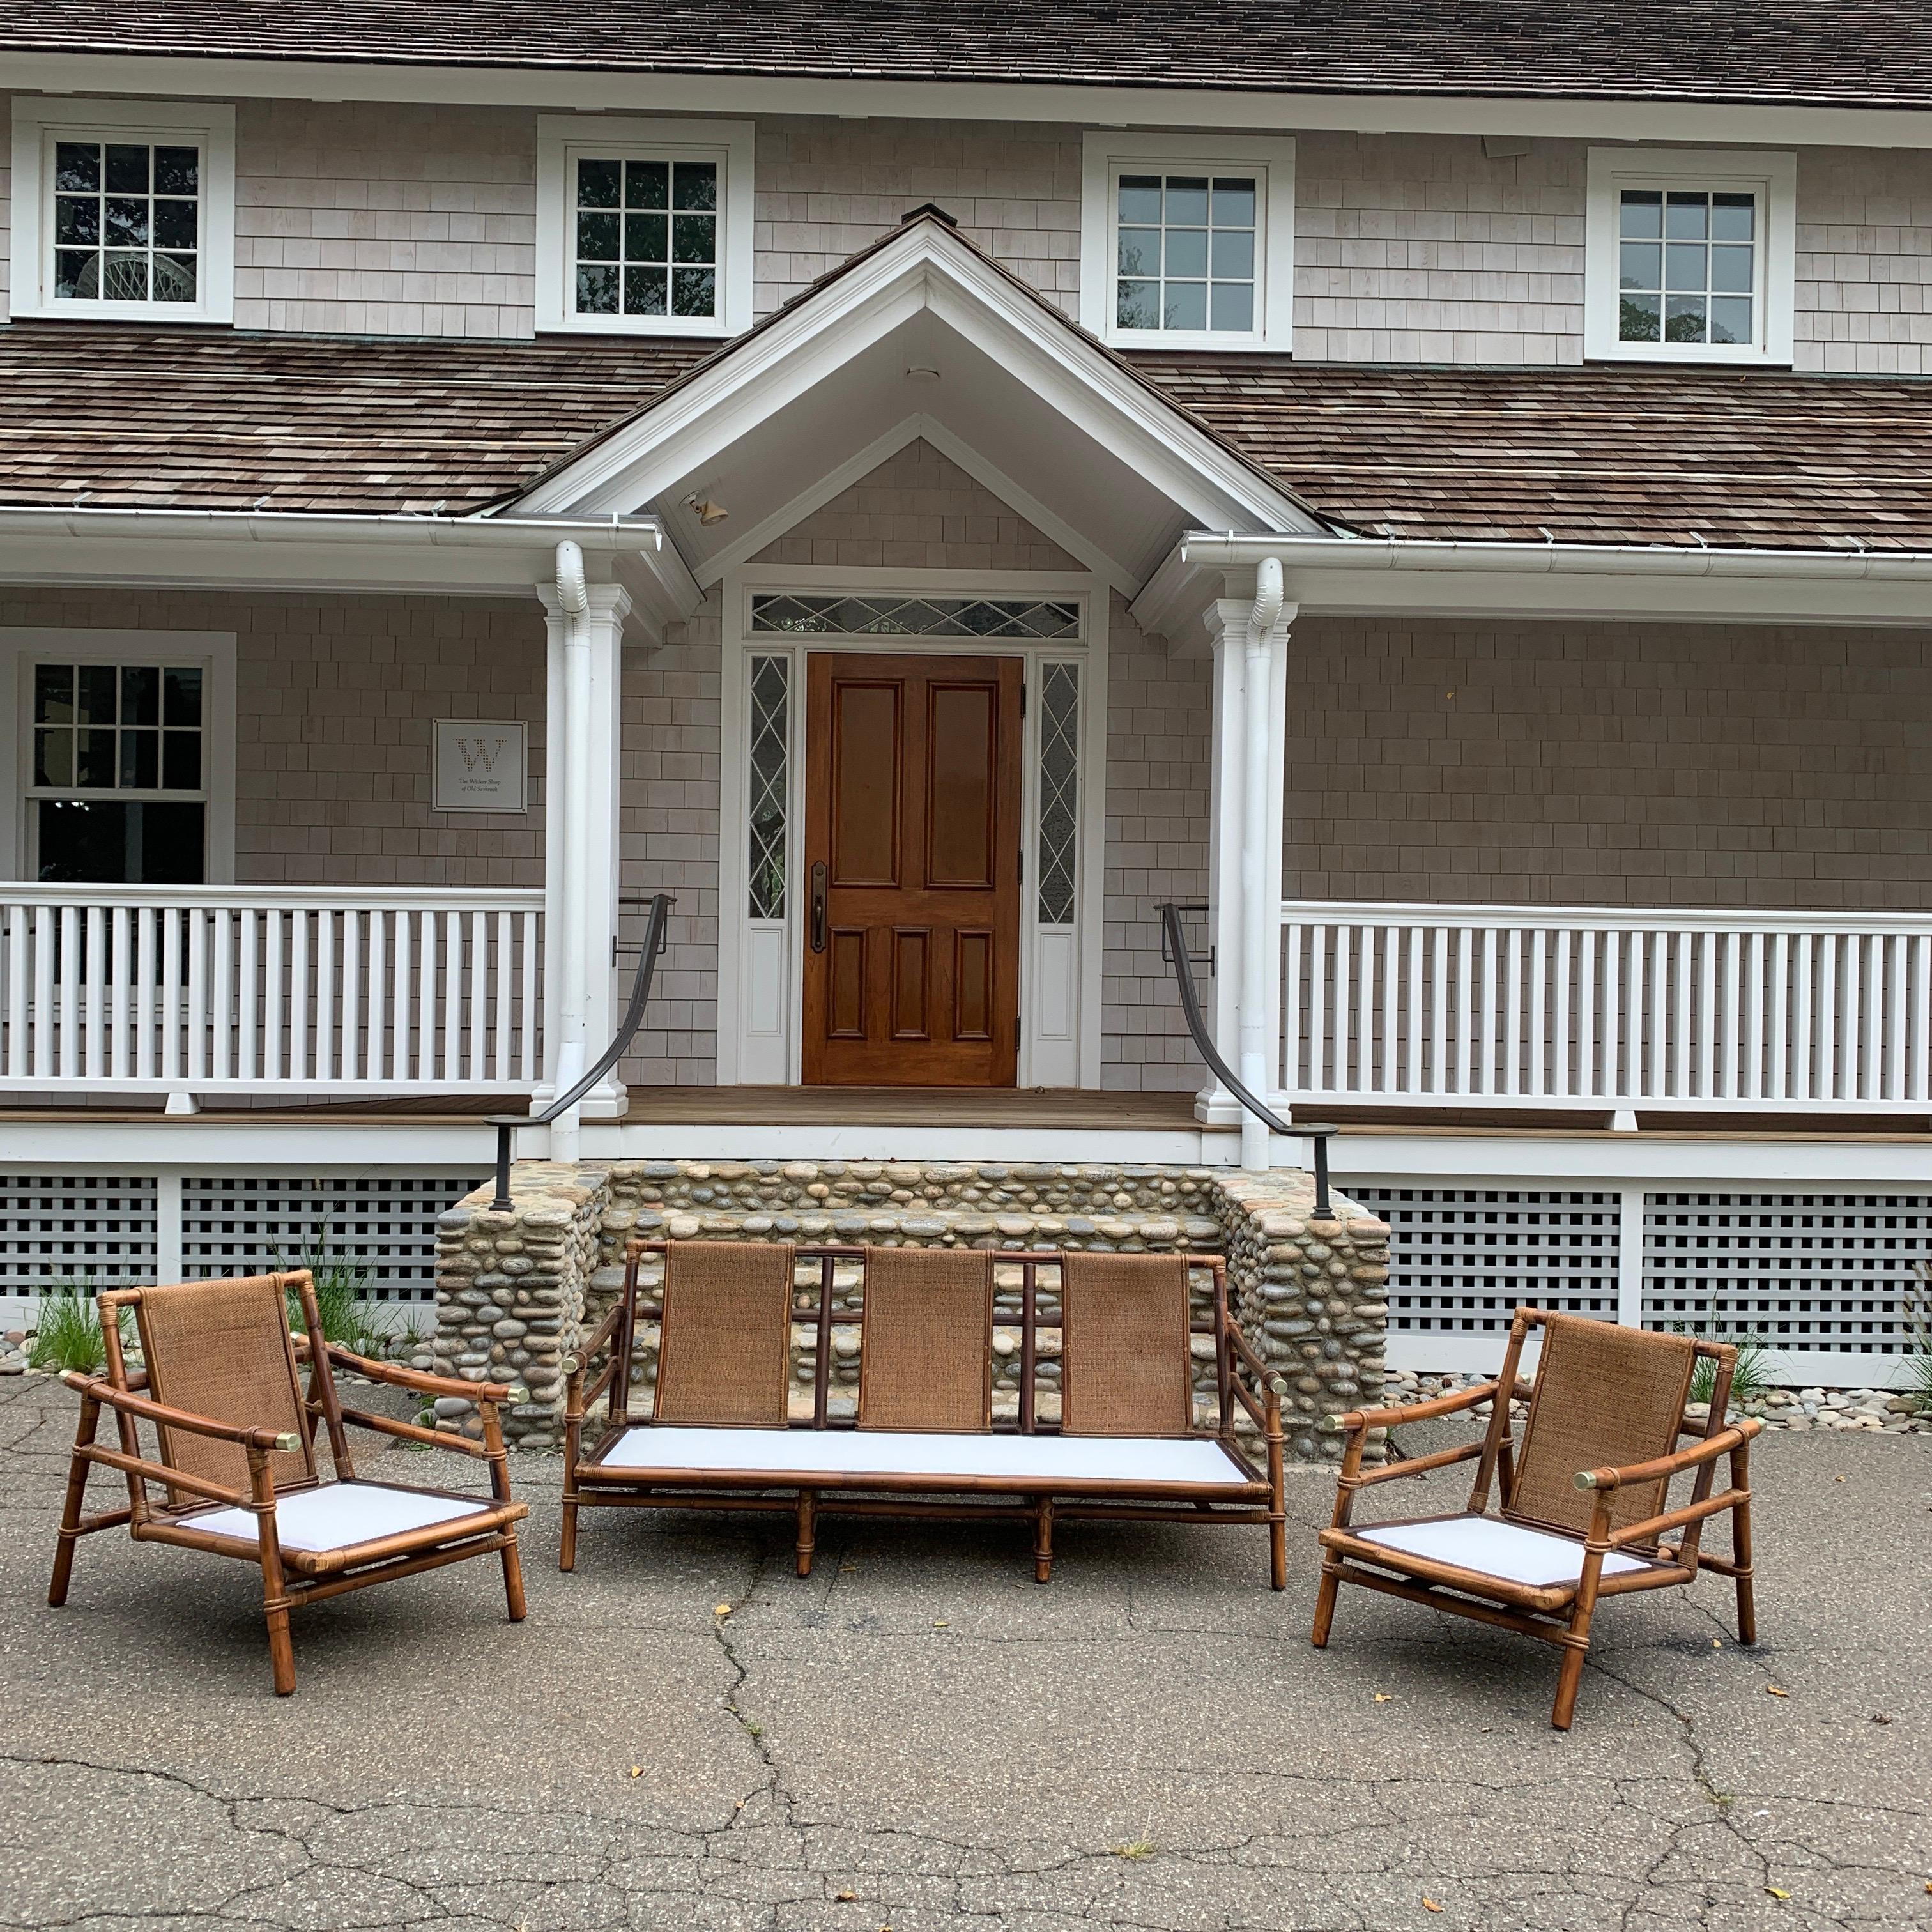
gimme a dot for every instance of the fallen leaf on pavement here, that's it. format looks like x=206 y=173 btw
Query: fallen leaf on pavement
x=1430 y=1904
x=1881 y=1717
x=845 y=1897
x=1384 y=1696
x=1776 y=1691
x=637 y=1771
x=1717 y=1643
x=1775 y=1893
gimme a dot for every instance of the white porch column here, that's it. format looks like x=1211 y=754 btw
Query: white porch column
x=1249 y=637
x=581 y=765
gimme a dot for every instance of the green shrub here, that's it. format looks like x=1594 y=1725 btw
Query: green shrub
x=347 y=1320
x=1919 y=1323
x=1750 y=1376
x=68 y=1334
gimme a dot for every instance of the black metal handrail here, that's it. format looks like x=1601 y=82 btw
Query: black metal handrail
x=1174 y=948
x=655 y=941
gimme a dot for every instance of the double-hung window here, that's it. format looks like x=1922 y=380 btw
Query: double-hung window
x=643 y=227
x=1689 y=256
x=123 y=210
x=1188 y=241
x=118 y=785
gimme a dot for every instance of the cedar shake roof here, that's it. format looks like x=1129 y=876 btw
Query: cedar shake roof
x=1603 y=453
x=142 y=416
x=148 y=417
x=1832 y=52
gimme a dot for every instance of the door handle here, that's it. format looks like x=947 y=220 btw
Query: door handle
x=818 y=907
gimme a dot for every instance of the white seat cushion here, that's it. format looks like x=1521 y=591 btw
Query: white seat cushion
x=1511 y=1551
x=850 y=1455
x=338 y=1514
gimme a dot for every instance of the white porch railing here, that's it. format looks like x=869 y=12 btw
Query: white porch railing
x=1569 y=1007
x=254 y=989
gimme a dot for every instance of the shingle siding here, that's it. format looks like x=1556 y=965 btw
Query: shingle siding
x=1865 y=261
x=412 y=221
x=365 y=219
x=1419 y=248
x=1568 y=762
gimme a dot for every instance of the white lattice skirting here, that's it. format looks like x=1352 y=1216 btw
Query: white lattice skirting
x=102 y=1231
x=1823 y=1280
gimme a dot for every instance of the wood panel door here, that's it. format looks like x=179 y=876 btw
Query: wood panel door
x=912 y=862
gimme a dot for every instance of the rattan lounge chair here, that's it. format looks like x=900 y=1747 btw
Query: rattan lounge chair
x=923 y=1442
x=1583 y=1508
x=236 y=1453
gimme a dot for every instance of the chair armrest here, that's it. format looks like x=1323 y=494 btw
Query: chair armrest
x=417 y=1379
x=1358 y=1420
x=101 y=1389
x=1705 y=1451
x=580 y=1357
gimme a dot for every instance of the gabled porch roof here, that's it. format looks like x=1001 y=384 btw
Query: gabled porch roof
x=922 y=329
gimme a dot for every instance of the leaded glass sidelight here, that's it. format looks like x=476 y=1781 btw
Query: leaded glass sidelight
x=1059 y=791
x=770 y=739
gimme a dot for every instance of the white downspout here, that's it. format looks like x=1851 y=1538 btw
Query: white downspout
x=573 y=1005
x=1260 y=917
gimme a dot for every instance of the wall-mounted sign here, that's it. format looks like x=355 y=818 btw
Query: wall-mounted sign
x=480 y=766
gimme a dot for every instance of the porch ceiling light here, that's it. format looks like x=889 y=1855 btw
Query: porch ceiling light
x=706 y=511
x=920 y=372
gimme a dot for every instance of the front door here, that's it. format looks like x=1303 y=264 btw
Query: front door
x=912 y=870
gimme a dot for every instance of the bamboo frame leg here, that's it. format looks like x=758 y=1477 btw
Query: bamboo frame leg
x=1576 y=1639
x=513 y=1575
x=1740 y=1547
x=1324 y=1602
x=1042 y=1541
x=275 y=1591
x=808 y=1518
x=70 y=1531
x=1277 y=1494
x=566 y=1555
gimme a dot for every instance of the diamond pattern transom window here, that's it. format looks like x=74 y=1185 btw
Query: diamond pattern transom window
x=771 y=708
x=915 y=616
x=1059 y=790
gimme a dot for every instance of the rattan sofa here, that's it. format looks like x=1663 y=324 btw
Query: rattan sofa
x=923 y=1441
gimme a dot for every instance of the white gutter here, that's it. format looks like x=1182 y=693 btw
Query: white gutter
x=603 y=534
x=1210 y=550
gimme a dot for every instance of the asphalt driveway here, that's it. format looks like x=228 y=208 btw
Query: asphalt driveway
x=920 y=1736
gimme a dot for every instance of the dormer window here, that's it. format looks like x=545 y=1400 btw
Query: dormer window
x=123 y=210
x=1689 y=256
x=1188 y=241
x=644 y=227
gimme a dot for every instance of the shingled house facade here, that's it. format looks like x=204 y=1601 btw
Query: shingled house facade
x=925 y=488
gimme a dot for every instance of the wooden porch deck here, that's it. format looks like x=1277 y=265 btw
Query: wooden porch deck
x=1033 y=1109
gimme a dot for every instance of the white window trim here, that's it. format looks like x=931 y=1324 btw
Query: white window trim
x=21 y=649
x=562 y=138
x=1109 y=153
x=1772 y=177
x=761 y=962
x=38 y=124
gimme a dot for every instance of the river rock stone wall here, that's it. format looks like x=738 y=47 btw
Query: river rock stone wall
x=515 y=1291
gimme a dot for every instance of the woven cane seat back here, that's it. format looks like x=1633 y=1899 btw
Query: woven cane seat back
x=1605 y=1397
x=724 y=1356
x=925 y=1357
x=222 y=1349
x=1124 y=1364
